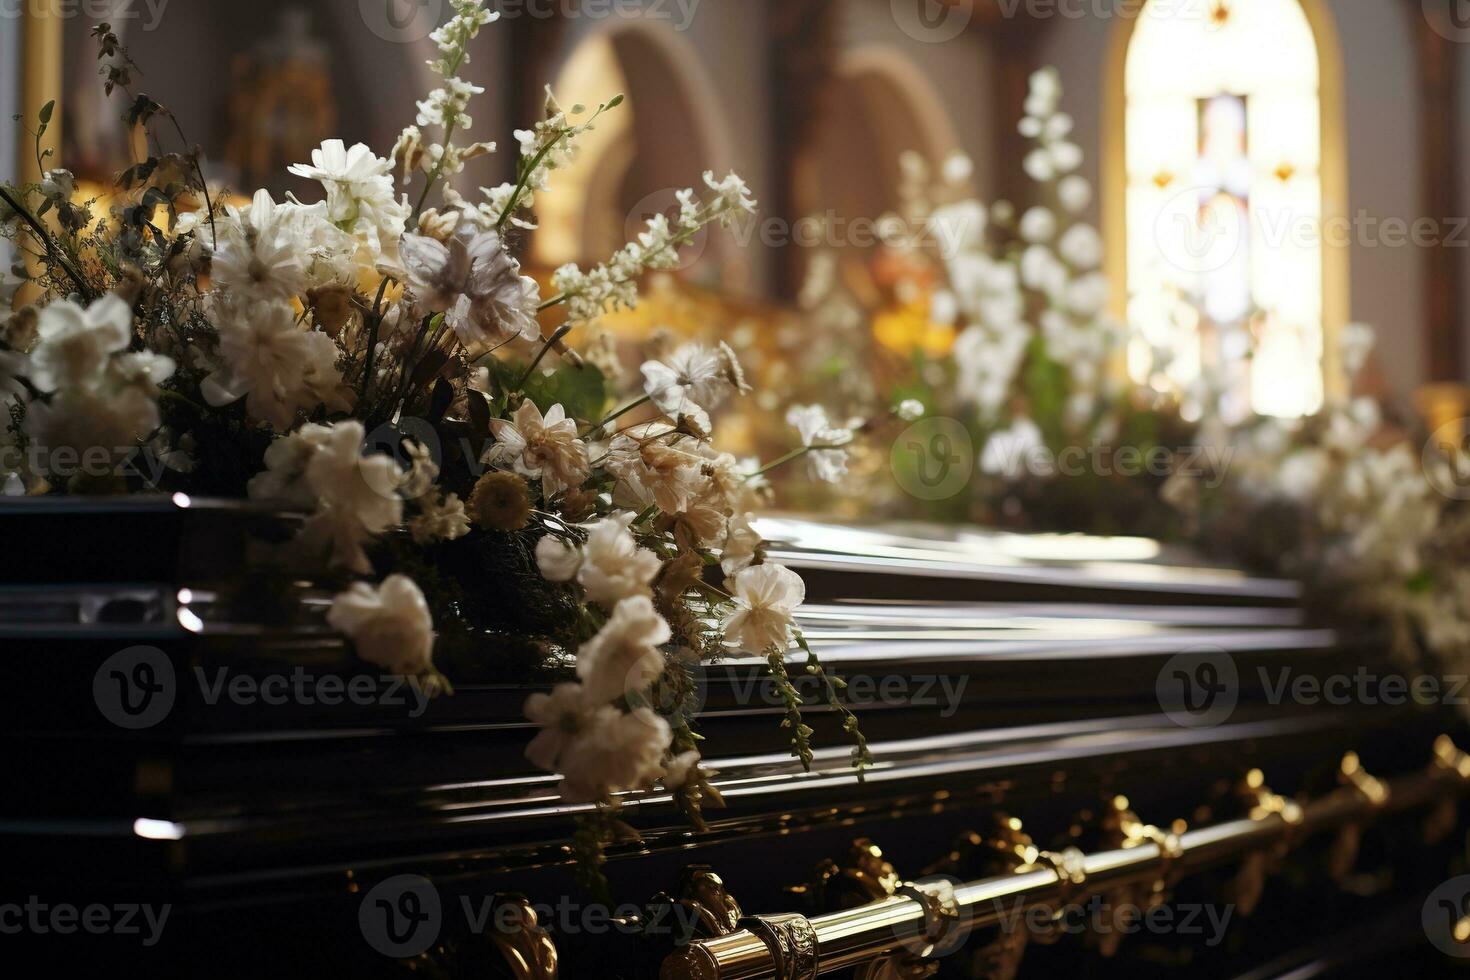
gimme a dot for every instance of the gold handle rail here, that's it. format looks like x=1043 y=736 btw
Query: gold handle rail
x=857 y=936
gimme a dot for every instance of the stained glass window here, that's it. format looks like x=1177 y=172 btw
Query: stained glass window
x=1224 y=205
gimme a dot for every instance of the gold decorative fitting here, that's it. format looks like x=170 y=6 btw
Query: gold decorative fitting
x=1121 y=828
x=1372 y=789
x=1449 y=758
x=716 y=913
x=861 y=877
x=941 y=914
x=1261 y=804
x=1445 y=817
x=526 y=946
x=792 y=942
x=1343 y=855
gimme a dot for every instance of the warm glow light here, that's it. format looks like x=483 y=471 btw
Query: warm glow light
x=1224 y=206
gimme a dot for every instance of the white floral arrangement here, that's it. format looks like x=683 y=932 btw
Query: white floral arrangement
x=250 y=350
x=1357 y=509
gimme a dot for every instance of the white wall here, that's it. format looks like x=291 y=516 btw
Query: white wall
x=1382 y=150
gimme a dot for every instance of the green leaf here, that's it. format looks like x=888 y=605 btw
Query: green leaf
x=46 y=111
x=581 y=391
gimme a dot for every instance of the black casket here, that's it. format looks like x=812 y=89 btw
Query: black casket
x=1090 y=757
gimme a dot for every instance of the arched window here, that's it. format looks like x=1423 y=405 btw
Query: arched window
x=1224 y=203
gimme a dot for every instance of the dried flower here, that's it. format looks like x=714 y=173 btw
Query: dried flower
x=544 y=448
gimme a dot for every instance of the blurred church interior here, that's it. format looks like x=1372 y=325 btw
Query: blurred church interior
x=1354 y=114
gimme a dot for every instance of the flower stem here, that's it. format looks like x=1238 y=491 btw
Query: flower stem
x=796 y=453
x=622 y=411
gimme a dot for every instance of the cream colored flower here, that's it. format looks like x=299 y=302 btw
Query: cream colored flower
x=274 y=363
x=692 y=381
x=741 y=543
x=828 y=462
x=679 y=770
x=616 y=753
x=439 y=519
x=544 y=448
x=557 y=558
x=355 y=497
x=765 y=599
x=390 y=626
x=653 y=473
x=613 y=566
x=624 y=657
x=563 y=715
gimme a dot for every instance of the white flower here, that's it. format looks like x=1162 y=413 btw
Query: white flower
x=284 y=478
x=624 y=657
x=958 y=227
x=1038 y=224
x=1300 y=475
x=59 y=185
x=478 y=282
x=693 y=380
x=277 y=365
x=1041 y=271
x=1082 y=247
x=1066 y=156
x=257 y=255
x=355 y=497
x=615 y=753
x=1039 y=166
x=1075 y=194
x=439 y=519
x=1008 y=452
x=104 y=400
x=681 y=769
x=829 y=462
x=563 y=715
x=650 y=472
x=613 y=566
x=741 y=544
x=1385 y=511
x=389 y=626
x=1088 y=295
x=910 y=410
x=557 y=558
x=765 y=598
x=359 y=188
x=75 y=345
x=542 y=448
